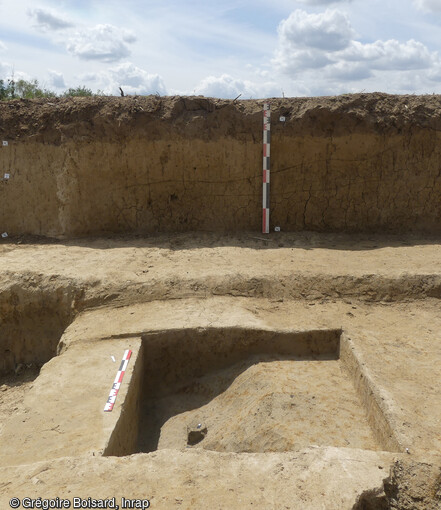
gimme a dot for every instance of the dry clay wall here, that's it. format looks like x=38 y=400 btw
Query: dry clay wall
x=366 y=162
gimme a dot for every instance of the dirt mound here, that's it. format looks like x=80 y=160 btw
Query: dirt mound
x=277 y=406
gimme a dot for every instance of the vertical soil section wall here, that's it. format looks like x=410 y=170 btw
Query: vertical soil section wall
x=124 y=436
x=83 y=166
x=34 y=312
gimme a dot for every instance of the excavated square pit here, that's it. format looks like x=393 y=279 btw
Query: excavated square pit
x=245 y=390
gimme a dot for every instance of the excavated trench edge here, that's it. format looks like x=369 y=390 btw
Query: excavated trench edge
x=375 y=404
x=315 y=344
x=33 y=320
x=35 y=310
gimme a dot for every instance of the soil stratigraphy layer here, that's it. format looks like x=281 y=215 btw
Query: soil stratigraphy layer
x=80 y=166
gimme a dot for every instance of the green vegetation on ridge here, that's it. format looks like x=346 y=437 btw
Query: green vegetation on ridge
x=23 y=89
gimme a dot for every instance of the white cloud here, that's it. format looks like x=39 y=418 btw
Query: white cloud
x=328 y=31
x=47 y=20
x=428 y=5
x=258 y=71
x=4 y=70
x=391 y=55
x=56 y=79
x=132 y=79
x=105 y=43
x=2 y=47
x=227 y=87
x=291 y=61
x=313 y=53
x=323 y=2
x=307 y=41
x=321 y=50
x=435 y=73
x=348 y=71
x=8 y=72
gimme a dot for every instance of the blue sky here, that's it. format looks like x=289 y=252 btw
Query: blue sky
x=259 y=48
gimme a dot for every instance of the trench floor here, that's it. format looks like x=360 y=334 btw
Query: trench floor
x=13 y=389
x=266 y=406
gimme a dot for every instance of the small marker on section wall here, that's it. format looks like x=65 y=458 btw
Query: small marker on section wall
x=4 y=235
x=5 y=143
x=6 y=177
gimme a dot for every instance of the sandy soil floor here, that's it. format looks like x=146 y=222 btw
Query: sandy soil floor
x=276 y=406
x=13 y=389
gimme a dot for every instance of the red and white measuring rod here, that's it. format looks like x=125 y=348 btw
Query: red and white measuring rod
x=266 y=167
x=118 y=380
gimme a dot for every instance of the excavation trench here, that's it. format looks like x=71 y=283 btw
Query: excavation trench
x=33 y=319
x=245 y=390
x=35 y=310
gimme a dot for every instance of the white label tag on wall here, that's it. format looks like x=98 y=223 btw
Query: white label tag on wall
x=6 y=177
x=5 y=143
x=282 y=119
x=4 y=235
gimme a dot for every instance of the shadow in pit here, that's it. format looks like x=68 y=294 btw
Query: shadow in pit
x=184 y=377
x=182 y=370
x=34 y=317
x=156 y=411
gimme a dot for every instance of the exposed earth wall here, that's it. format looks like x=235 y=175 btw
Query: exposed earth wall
x=86 y=166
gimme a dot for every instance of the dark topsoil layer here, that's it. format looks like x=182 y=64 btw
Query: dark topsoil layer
x=52 y=120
